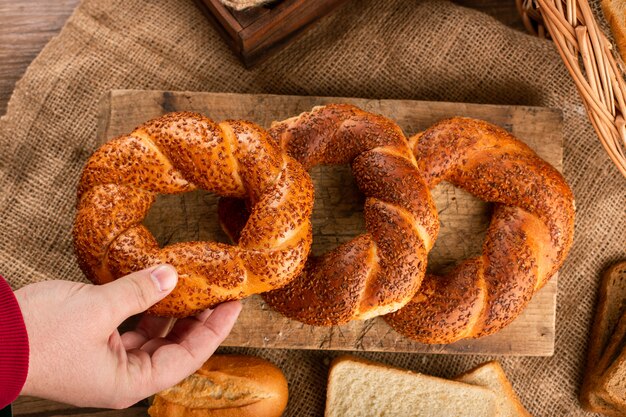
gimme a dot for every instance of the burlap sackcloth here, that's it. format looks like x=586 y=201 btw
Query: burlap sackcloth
x=431 y=50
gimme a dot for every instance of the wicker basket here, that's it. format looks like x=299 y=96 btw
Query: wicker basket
x=592 y=62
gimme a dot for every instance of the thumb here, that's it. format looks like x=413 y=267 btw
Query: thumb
x=136 y=292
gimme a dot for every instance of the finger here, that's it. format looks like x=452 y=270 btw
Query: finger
x=170 y=363
x=154 y=326
x=137 y=292
x=133 y=340
x=204 y=315
x=152 y=345
x=183 y=327
x=149 y=327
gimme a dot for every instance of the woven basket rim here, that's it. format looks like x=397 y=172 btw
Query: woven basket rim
x=594 y=64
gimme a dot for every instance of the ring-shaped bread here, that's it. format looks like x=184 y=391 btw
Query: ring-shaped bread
x=530 y=234
x=180 y=152
x=380 y=270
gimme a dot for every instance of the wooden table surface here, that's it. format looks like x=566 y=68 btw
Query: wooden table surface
x=27 y=25
x=25 y=28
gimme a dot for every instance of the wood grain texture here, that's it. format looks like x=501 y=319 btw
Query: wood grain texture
x=338 y=214
x=25 y=28
x=32 y=406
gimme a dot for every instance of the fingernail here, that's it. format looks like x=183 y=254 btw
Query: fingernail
x=164 y=277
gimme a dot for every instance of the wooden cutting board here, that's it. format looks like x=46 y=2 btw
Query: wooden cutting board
x=338 y=214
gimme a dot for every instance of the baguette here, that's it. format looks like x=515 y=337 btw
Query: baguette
x=611 y=298
x=226 y=386
x=491 y=375
x=357 y=387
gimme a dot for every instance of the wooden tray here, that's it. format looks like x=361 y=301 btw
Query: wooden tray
x=256 y=33
x=338 y=215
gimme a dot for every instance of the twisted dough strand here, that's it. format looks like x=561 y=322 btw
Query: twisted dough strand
x=376 y=272
x=528 y=239
x=177 y=153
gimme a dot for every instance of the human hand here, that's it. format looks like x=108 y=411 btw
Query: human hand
x=77 y=355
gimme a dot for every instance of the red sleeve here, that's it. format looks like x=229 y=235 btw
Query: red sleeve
x=13 y=346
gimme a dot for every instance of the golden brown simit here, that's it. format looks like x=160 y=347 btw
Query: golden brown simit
x=180 y=152
x=530 y=234
x=379 y=271
x=226 y=386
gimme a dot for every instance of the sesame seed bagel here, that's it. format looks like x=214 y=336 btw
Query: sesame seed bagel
x=379 y=271
x=530 y=234
x=180 y=152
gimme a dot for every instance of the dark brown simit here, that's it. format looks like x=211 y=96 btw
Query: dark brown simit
x=176 y=153
x=530 y=234
x=379 y=271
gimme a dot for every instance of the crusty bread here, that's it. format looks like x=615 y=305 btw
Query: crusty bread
x=613 y=350
x=615 y=13
x=226 y=386
x=357 y=387
x=611 y=370
x=491 y=375
x=530 y=234
x=610 y=306
x=376 y=272
x=181 y=152
x=612 y=384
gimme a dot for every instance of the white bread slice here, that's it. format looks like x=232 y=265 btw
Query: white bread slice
x=361 y=388
x=491 y=375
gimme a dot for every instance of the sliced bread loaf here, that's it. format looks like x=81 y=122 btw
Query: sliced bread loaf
x=491 y=375
x=612 y=384
x=615 y=347
x=357 y=387
x=610 y=306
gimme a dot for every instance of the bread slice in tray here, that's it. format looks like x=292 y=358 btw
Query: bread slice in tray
x=357 y=387
x=491 y=375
